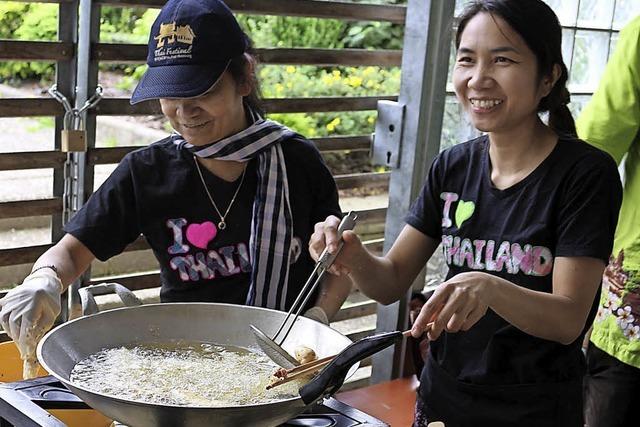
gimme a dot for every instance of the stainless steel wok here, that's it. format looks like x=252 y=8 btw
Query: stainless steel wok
x=226 y=324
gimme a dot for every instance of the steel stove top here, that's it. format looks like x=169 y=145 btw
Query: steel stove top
x=24 y=404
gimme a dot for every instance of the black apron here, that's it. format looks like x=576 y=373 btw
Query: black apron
x=459 y=404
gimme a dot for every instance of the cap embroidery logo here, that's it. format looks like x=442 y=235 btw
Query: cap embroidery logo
x=171 y=34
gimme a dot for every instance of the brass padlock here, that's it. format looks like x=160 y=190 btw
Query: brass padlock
x=73 y=140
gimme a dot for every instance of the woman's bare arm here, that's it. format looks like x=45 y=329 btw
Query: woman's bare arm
x=70 y=257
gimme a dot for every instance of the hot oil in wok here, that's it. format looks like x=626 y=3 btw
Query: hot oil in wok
x=183 y=374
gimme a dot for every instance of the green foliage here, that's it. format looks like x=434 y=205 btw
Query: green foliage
x=285 y=31
x=139 y=34
x=15 y=71
x=375 y=35
x=131 y=76
x=143 y=25
x=381 y=35
x=307 y=81
x=117 y=25
x=40 y=22
x=288 y=81
x=28 y=22
x=12 y=14
x=126 y=25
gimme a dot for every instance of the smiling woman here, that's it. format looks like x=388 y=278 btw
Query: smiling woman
x=217 y=113
x=525 y=215
x=496 y=77
x=227 y=202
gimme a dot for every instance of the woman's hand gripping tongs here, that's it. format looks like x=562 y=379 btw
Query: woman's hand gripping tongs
x=272 y=347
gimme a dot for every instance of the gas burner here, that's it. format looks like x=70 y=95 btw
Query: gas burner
x=23 y=403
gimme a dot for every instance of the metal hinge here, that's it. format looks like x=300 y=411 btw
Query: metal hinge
x=385 y=150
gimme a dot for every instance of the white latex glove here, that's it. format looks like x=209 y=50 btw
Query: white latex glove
x=317 y=313
x=29 y=310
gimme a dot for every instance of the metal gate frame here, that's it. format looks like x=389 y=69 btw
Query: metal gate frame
x=425 y=60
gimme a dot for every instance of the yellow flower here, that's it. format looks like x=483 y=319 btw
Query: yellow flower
x=279 y=88
x=355 y=81
x=291 y=69
x=331 y=126
x=371 y=120
x=336 y=73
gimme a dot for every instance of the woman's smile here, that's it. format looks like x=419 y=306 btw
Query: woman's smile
x=195 y=125
x=484 y=105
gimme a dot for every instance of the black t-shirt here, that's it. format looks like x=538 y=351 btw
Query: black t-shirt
x=567 y=207
x=156 y=191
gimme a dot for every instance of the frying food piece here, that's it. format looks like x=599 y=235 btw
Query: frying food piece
x=304 y=354
x=279 y=375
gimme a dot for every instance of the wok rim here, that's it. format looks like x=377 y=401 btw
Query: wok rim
x=70 y=384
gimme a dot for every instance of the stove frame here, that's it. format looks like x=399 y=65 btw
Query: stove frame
x=24 y=404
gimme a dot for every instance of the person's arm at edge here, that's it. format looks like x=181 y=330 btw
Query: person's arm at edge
x=611 y=119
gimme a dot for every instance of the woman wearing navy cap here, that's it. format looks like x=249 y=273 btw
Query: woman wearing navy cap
x=227 y=202
x=525 y=215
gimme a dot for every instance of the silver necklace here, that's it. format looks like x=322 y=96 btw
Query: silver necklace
x=222 y=224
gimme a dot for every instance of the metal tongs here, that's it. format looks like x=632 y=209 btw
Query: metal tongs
x=272 y=347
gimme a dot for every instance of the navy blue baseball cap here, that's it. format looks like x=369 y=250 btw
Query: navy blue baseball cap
x=190 y=46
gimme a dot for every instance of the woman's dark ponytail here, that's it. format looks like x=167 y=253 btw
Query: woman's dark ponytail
x=561 y=121
x=539 y=27
x=560 y=117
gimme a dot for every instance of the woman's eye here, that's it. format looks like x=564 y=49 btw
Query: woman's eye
x=464 y=59
x=503 y=59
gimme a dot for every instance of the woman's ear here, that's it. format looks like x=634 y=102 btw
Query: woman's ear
x=549 y=81
x=246 y=85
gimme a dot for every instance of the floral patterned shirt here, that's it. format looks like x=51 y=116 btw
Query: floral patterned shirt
x=611 y=122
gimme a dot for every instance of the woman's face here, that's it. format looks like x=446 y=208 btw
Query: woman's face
x=496 y=76
x=209 y=117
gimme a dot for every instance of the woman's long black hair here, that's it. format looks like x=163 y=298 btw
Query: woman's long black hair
x=538 y=25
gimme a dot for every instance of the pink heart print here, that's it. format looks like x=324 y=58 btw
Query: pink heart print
x=201 y=234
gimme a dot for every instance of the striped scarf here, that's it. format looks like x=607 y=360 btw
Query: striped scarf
x=271 y=223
